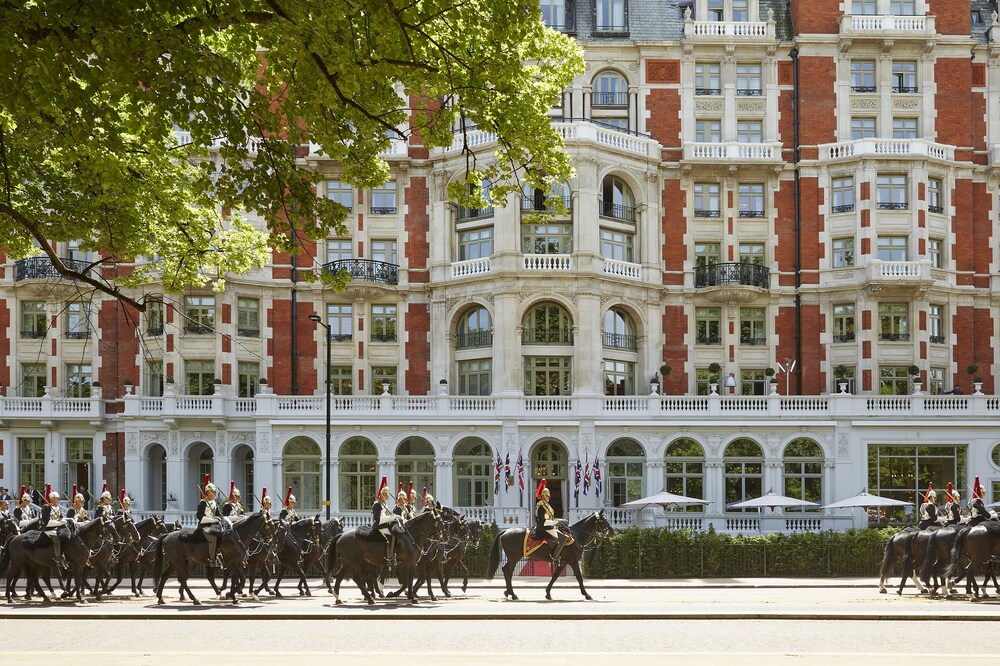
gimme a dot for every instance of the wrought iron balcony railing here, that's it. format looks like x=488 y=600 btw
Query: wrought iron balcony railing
x=366 y=270
x=843 y=208
x=844 y=337
x=544 y=204
x=471 y=339
x=603 y=99
x=549 y=336
x=617 y=211
x=730 y=274
x=937 y=339
x=894 y=337
x=620 y=341
x=41 y=268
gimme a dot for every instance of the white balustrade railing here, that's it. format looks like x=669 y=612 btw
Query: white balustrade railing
x=471 y=267
x=803 y=524
x=898 y=269
x=52 y=406
x=548 y=262
x=733 y=150
x=586 y=132
x=888 y=24
x=887 y=148
x=625 y=269
x=486 y=514
x=472 y=139
x=721 y=29
x=742 y=524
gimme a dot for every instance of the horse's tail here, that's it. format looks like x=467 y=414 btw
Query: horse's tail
x=158 y=563
x=930 y=559
x=494 y=557
x=956 y=553
x=887 y=560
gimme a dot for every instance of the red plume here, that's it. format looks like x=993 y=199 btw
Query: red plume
x=424 y=496
x=288 y=494
x=24 y=491
x=541 y=486
x=232 y=489
x=105 y=488
x=409 y=491
x=263 y=494
x=400 y=488
x=121 y=498
x=73 y=495
x=204 y=482
x=977 y=490
x=930 y=487
x=48 y=491
x=382 y=485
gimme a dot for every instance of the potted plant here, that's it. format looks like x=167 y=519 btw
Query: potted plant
x=914 y=371
x=654 y=385
x=977 y=381
x=770 y=374
x=172 y=501
x=128 y=387
x=840 y=372
x=665 y=370
x=443 y=387
x=713 y=382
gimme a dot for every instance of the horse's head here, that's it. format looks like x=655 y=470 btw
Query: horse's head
x=332 y=529
x=130 y=532
x=159 y=527
x=602 y=527
x=474 y=528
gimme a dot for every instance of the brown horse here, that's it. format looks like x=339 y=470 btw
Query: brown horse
x=595 y=526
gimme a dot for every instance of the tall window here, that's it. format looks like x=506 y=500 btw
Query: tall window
x=706 y=200
x=893 y=248
x=78 y=320
x=741 y=10
x=199 y=314
x=339 y=249
x=703 y=377
x=892 y=192
x=935 y=324
x=753 y=381
x=384 y=376
x=626 y=467
x=850 y=373
x=547 y=323
x=708 y=131
x=383 y=323
x=385 y=251
x=843 y=252
x=32 y=380
x=893 y=380
x=843 y=322
x=904 y=128
x=616 y=245
x=752 y=253
x=716 y=10
x=904 y=76
x=685 y=470
x=743 y=471
x=862 y=76
x=415 y=463
x=749 y=131
x=935 y=381
x=78 y=380
x=708 y=326
x=301 y=468
x=903 y=7
x=248 y=317
x=358 y=474
x=154 y=378
x=340 y=192
x=474 y=376
x=80 y=460
x=546 y=238
x=843 y=194
x=862 y=128
x=31 y=461
x=935 y=200
x=554 y=15
x=864 y=7
x=473 y=473
x=547 y=375
x=935 y=252
x=706 y=254
x=803 y=462
x=752 y=330
x=610 y=89
x=154 y=317
x=894 y=324
x=617 y=201
x=475 y=329
x=475 y=244
x=751 y=199
x=341 y=380
x=340 y=319
x=199 y=377
x=610 y=16
x=707 y=78
x=748 y=80
x=619 y=332
x=247 y=378
x=384 y=199
x=619 y=377
x=34 y=321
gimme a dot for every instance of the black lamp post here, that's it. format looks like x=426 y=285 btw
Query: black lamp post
x=318 y=320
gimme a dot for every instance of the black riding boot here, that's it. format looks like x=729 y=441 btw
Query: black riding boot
x=390 y=553
x=559 y=547
x=57 y=552
x=213 y=550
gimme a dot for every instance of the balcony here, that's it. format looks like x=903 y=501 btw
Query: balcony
x=887 y=148
x=548 y=336
x=474 y=339
x=909 y=278
x=609 y=100
x=615 y=211
x=729 y=31
x=620 y=341
x=539 y=204
x=41 y=268
x=471 y=267
x=366 y=270
x=581 y=132
x=887 y=27
x=466 y=213
x=732 y=283
x=622 y=269
x=547 y=262
x=732 y=151
x=47 y=409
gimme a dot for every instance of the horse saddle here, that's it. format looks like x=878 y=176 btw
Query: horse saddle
x=35 y=539
x=190 y=535
x=532 y=544
x=369 y=533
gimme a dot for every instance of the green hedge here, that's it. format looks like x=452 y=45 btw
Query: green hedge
x=664 y=553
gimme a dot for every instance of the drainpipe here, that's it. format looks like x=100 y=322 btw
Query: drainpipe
x=293 y=349
x=798 y=216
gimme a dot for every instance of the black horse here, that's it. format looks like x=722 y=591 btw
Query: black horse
x=595 y=526
x=980 y=544
x=302 y=541
x=417 y=554
x=895 y=549
x=135 y=555
x=76 y=550
x=467 y=536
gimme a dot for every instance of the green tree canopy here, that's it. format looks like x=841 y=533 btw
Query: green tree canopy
x=93 y=92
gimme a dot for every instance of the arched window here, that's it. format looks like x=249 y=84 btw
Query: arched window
x=473 y=473
x=626 y=468
x=473 y=212
x=610 y=89
x=536 y=199
x=617 y=201
x=803 y=462
x=200 y=463
x=547 y=324
x=475 y=329
x=685 y=470
x=548 y=461
x=301 y=465
x=743 y=471
x=415 y=464
x=156 y=499
x=358 y=474
x=619 y=331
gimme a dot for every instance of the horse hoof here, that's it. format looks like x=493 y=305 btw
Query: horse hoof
x=414 y=601
x=160 y=602
x=548 y=597
x=371 y=602
x=882 y=591
x=339 y=602
x=255 y=597
x=513 y=597
x=197 y=603
x=588 y=597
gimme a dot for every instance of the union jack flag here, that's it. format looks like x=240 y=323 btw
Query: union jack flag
x=520 y=471
x=597 y=475
x=586 y=475
x=496 y=475
x=506 y=473
x=576 y=481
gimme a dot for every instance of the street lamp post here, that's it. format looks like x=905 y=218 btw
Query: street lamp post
x=318 y=320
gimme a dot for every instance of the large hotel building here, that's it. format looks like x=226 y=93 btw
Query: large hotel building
x=778 y=269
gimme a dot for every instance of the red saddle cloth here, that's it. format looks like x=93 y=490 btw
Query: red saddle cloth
x=531 y=544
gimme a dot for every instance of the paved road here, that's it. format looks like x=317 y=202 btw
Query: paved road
x=759 y=621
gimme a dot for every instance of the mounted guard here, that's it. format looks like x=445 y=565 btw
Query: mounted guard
x=928 y=509
x=233 y=507
x=427 y=501
x=977 y=507
x=125 y=502
x=209 y=522
x=400 y=508
x=383 y=520
x=52 y=519
x=288 y=513
x=265 y=504
x=23 y=513
x=78 y=512
x=953 y=506
x=546 y=525
x=104 y=508
x=411 y=503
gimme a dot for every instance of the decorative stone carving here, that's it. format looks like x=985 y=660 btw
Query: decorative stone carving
x=713 y=444
x=131 y=443
x=708 y=105
x=242 y=439
x=148 y=437
x=633 y=67
x=173 y=444
x=264 y=445
x=750 y=106
x=906 y=103
x=662 y=71
x=864 y=104
x=842 y=446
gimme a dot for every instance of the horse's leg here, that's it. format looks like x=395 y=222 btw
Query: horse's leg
x=508 y=574
x=465 y=575
x=183 y=575
x=555 y=576
x=304 y=590
x=336 y=586
x=579 y=578
x=277 y=583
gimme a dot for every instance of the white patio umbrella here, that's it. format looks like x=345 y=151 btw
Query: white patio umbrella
x=864 y=500
x=770 y=499
x=665 y=500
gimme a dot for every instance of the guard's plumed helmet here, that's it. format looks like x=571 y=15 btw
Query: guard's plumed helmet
x=25 y=497
x=931 y=495
x=383 y=489
x=210 y=488
x=53 y=495
x=957 y=497
x=401 y=496
x=105 y=493
x=428 y=499
x=289 y=497
x=265 y=499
